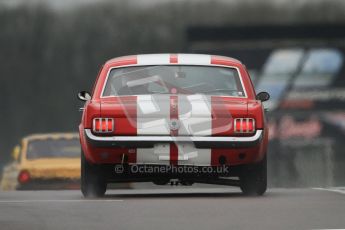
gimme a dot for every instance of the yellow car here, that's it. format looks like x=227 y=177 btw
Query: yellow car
x=44 y=161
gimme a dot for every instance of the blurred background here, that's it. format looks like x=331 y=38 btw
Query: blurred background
x=294 y=49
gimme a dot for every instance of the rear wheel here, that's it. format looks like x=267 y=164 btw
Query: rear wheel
x=253 y=179
x=93 y=183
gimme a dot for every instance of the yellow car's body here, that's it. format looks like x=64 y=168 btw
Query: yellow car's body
x=43 y=158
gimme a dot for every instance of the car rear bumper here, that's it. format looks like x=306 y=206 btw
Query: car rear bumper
x=150 y=141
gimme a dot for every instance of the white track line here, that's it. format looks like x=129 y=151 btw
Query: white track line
x=340 y=190
x=57 y=201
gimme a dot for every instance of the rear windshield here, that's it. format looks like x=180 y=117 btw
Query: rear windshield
x=53 y=148
x=173 y=79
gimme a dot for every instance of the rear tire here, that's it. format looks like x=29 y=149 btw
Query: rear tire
x=253 y=179
x=93 y=183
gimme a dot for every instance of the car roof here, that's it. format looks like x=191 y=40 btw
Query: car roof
x=171 y=59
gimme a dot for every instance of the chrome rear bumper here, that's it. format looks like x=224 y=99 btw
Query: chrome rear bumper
x=149 y=141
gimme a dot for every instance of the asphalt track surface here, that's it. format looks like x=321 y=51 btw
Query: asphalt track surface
x=163 y=207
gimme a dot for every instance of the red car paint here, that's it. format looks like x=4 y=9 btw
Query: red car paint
x=124 y=109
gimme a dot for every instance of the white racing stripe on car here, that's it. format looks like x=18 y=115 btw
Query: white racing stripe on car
x=188 y=155
x=153 y=115
x=153 y=59
x=195 y=115
x=196 y=120
x=152 y=156
x=193 y=156
x=192 y=59
x=340 y=190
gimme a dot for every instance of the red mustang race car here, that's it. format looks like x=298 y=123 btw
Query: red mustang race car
x=173 y=118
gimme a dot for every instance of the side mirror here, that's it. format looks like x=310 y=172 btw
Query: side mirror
x=84 y=96
x=263 y=96
x=15 y=153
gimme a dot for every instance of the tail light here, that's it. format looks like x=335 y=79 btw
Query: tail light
x=24 y=177
x=103 y=125
x=244 y=125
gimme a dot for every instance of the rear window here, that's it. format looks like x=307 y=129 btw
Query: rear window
x=53 y=148
x=173 y=79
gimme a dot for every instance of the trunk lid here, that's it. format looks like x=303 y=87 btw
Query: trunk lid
x=198 y=115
